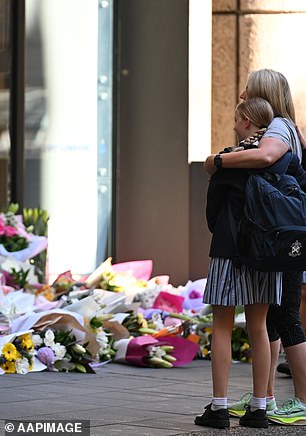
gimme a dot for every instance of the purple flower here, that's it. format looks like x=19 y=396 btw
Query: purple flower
x=46 y=356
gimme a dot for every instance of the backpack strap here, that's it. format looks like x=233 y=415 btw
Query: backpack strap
x=279 y=167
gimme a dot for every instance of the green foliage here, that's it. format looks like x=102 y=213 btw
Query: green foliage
x=36 y=222
x=14 y=243
x=19 y=277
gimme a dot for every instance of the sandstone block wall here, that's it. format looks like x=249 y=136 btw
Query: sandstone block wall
x=249 y=35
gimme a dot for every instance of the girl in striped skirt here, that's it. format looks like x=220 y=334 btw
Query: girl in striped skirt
x=230 y=284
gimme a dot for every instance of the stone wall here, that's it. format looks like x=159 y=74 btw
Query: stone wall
x=249 y=35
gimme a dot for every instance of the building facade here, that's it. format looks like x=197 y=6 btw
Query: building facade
x=139 y=196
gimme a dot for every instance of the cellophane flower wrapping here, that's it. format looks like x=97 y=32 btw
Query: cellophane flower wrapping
x=60 y=350
x=169 y=302
x=17 y=353
x=58 y=319
x=123 y=277
x=23 y=238
x=136 y=351
x=193 y=295
x=16 y=241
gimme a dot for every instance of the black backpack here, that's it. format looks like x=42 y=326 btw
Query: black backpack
x=272 y=233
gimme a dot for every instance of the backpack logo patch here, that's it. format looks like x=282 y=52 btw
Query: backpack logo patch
x=296 y=249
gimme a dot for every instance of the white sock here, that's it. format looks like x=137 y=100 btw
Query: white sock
x=258 y=403
x=270 y=398
x=218 y=403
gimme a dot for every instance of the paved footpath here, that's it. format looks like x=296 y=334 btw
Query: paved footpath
x=131 y=401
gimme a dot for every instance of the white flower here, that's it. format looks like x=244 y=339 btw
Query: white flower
x=22 y=366
x=49 y=338
x=59 y=350
x=156 y=319
x=37 y=340
x=78 y=348
x=101 y=337
x=156 y=351
x=102 y=340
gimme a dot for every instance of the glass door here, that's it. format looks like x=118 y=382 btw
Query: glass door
x=5 y=62
x=68 y=128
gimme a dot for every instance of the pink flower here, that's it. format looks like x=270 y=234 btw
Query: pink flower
x=195 y=294
x=2 y=226
x=10 y=231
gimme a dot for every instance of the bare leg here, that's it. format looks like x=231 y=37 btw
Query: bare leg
x=274 y=347
x=261 y=355
x=221 y=355
x=296 y=356
x=303 y=307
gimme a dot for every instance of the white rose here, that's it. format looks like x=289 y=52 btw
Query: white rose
x=59 y=350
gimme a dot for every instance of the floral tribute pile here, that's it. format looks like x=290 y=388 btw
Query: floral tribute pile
x=119 y=313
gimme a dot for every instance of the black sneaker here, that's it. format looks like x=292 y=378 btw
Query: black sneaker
x=283 y=368
x=257 y=419
x=213 y=418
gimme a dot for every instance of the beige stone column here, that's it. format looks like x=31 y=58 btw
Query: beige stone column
x=249 y=35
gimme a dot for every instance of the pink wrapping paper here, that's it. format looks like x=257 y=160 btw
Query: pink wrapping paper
x=136 y=351
x=169 y=302
x=184 y=350
x=141 y=269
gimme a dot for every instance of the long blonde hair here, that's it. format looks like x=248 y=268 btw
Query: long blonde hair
x=273 y=87
x=257 y=110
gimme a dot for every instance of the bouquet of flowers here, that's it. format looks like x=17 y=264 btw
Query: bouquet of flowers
x=104 y=337
x=36 y=222
x=20 y=244
x=136 y=324
x=60 y=351
x=106 y=340
x=119 y=279
x=147 y=351
x=17 y=353
x=241 y=349
x=13 y=235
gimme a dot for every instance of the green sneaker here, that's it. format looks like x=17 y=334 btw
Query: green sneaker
x=292 y=412
x=238 y=409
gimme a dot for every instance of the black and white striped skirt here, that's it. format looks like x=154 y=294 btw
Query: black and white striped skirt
x=229 y=285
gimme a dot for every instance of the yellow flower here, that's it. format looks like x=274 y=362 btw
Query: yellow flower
x=208 y=330
x=10 y=352
x=9 y=367
x=26 y=342
x=245 y=346
x=25 y=337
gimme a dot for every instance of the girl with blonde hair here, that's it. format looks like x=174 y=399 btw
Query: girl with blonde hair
x=229 y=285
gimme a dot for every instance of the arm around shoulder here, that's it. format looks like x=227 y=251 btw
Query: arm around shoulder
x=270 y=150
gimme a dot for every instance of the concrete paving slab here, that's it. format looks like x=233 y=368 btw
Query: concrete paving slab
x=126 y=400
